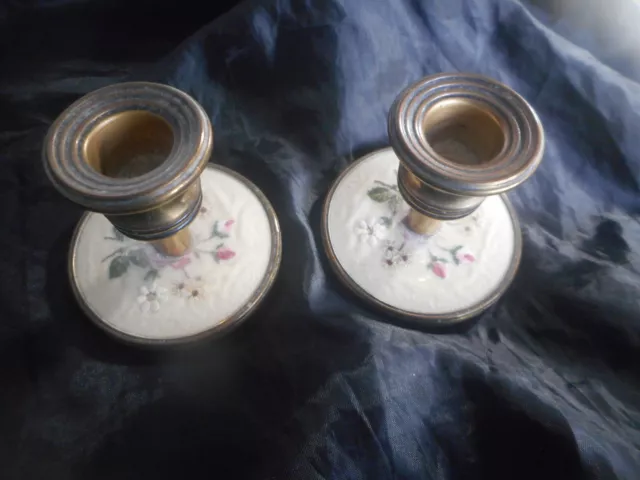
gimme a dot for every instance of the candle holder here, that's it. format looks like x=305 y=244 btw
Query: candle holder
x=172 y=249
x=424 y=229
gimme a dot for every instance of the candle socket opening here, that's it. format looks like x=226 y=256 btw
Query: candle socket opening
x=129 y=144
x=464 y=132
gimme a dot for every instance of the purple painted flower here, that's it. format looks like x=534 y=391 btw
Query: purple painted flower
x=159 y=261
x=181 y=262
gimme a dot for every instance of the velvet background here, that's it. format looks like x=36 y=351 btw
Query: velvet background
x=316 y=385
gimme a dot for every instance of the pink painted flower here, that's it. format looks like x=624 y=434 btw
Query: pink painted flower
x=465 y=257
x=228 y=224
x=225 y=253
x=468 y=258
x=181 y=262
x=439 y=269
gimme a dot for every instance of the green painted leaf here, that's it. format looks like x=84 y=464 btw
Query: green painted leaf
x=151 y=275
x=386 y=221
x=380 y=194
x=394 y=203
x=139 y=258
x=217 y=233
x=453 y=252
x=118 y=266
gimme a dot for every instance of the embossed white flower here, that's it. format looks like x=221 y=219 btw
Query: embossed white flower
x=151 y=297
x=371 y=232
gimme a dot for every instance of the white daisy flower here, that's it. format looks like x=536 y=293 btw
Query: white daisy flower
x=371 y=232
x=151 y=297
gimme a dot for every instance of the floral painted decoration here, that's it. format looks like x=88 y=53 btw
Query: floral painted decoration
x=135 y=255
x=373 y=230
x=150 y=297
x=396 y=255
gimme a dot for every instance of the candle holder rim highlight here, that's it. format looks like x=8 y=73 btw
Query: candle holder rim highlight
x=521 y=128
x=69 y=169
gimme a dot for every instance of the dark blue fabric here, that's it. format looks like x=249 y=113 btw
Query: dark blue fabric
x=315 y=385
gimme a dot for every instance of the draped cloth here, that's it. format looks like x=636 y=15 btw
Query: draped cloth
x=317 y=385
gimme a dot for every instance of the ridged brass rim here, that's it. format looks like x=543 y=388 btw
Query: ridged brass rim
x=518 y=158
x=70 y=171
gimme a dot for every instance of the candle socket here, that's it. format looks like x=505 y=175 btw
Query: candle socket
x=134 y=152
x=460 y=138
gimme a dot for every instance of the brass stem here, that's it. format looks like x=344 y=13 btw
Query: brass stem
x=176 y=245
x=422 y=224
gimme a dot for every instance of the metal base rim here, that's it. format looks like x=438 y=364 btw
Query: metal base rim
x=222 y=328
x=416 y=319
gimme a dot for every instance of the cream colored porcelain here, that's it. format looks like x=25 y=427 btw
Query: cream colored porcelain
x=455 y=272
x=142 y=295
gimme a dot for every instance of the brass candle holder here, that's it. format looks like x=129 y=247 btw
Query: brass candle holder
x=172 y=249
x=424 y=229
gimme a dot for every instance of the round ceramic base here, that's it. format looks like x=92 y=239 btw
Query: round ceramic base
x=441 y=279
x=141 y=296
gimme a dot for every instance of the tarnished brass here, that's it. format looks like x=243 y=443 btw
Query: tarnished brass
x=460 y=138
x=175 y=245
x=422 y=224
x=134 y=152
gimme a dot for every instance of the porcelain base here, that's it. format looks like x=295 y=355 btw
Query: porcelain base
x=141 y=296
x=450 y=276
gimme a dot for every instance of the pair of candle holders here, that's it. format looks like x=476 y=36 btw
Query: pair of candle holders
x=173 y=248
